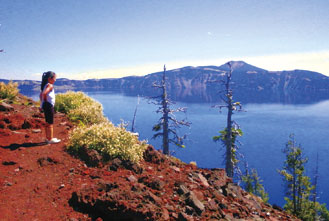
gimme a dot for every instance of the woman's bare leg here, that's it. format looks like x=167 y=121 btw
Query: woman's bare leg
x=49 y=131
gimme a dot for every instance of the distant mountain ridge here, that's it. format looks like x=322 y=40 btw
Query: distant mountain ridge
x=189 y=83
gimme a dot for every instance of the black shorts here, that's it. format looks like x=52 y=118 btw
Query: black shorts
x=48 y=108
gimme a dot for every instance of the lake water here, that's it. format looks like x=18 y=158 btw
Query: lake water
x=266 y=129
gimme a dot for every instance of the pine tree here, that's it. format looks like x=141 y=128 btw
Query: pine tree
x=299 y=198
x=253 y=184
x=298 y=184
x=168 y=122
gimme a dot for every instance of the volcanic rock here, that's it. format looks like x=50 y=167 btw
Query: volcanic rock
x=193 y=201
x=63 y=187
x=6 y=107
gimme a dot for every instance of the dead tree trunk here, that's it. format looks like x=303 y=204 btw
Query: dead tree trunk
x=229 y=155
x=165 y=115
x=168 y=124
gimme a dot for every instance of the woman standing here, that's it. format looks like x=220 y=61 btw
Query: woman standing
x=47 y=103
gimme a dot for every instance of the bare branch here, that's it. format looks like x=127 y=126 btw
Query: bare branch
x=167 y=122
x=156 y=135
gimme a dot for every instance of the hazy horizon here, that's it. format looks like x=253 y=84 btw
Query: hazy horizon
x=59 y=77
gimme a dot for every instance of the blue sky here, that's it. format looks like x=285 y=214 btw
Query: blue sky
x=81 y=39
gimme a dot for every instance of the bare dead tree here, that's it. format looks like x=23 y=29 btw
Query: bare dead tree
x=167 y=125
x=134 y=118
x=232 y=131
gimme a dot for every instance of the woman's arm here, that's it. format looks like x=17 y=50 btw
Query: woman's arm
x=40 y=96
x=46 y=91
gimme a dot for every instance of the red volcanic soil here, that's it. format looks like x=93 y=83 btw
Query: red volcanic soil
x=36 y=179
x=39 y=181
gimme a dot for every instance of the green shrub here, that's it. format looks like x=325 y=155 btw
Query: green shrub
x=108 y=140
x=80 y=108
x=8 y=91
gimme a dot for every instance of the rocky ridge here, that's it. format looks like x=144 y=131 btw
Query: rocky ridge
x=191 y=84
x=41 y=181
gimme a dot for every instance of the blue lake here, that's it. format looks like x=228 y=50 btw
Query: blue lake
x=266 y=129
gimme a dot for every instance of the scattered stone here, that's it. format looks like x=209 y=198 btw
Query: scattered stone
x=193 y=201
x=199 y=194
x=189 y=210
x=253 y=202
x=133 y=167
x=61 y=186
x=6 y=183
x=170 y=208
x=2 y=125
x=184 y=217
x=222 y=206
x=156 y=184
x=232 y=190
x=174 y=215
x=176 y=169
x=219 y=183
x=154 y=198
x=94 y=176
x=6 y=107
x=182 y=190
x=132 y=179
x=16 y=132
x=149 y=169
x=165 y=214
x=212 y=205
x=26 y=125
x=44 y=161
x=91 y=157
x=229 y=216
x=277 y=207
x=203 y=180
x=36 y=130
x=236 y=215
x=153 y=156
x=106 y=186
x=115 y=164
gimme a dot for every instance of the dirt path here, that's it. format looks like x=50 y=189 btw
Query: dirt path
x=36 y=179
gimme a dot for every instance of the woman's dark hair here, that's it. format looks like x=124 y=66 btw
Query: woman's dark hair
x=45 y=76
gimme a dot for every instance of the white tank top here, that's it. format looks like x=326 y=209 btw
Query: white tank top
x=50 y=95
